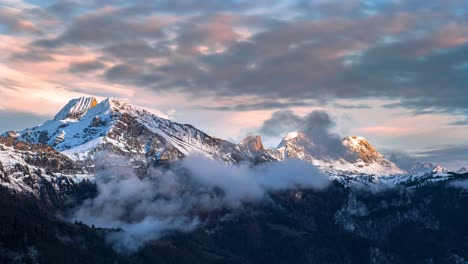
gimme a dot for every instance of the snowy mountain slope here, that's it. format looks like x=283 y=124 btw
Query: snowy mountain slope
x=76 y=108
x=367 y=160
x=84 y=127
x=420 y=175
x=37 y=169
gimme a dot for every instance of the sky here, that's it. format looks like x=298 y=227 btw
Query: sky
x=395 y=72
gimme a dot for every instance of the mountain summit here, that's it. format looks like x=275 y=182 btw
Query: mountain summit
x=76 y=108
x=362 y=157
x=84 y=127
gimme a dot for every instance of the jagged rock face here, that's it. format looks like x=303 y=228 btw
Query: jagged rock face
x=76 y=108
x=252 y=147
x=367 y=159
x=120 y=128
x=84 y=127
x=252 y=143
x=37 y=170
x=359 y=145
x=295 y=145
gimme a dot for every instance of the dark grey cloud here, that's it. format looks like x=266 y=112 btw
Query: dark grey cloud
x=85 y=66
x=122 y=73
x=64 y=8
x=316 y=126
x=460 y=123
x=444 y=154
x=101 y=27
x=352 y=106
x=191 y=6
x=281 y=122
x=137 y=50
x=15 y=21
x=413 y=52
x=263 y=105
x=402 y=159
x=449 y=156
x=33 y=55
x=290 y=60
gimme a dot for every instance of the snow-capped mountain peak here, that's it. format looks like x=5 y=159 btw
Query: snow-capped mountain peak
x=84 y=127
x=295 y=138
x=421 y=167
x=362 y=148
x=439 y=169
x=367 y=159
x=76 y=108
x=292 y=135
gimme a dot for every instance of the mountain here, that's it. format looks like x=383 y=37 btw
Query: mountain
x=412 y=217
x=84 y=127
x=252 y=146
x=363 y=158
x=422 y=168
x=38 y=170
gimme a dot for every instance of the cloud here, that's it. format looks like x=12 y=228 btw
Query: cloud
x=446 y=154
x=328 y=51
x=136 y=50
x=33 y=55
x=463 y=184
x=101 y=27
x=14 y=21
x=121 y=72
x=165 y=201
x=191 y=6
x=316 y=126
x=402 y=159
x=452 y=157
x=460 y=123
x=281 y=122
x=85 y=66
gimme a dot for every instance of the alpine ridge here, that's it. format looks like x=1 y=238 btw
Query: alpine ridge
x=363 y=158
x=84 y=127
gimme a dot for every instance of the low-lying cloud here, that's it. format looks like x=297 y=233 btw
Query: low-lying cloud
x=167 y=200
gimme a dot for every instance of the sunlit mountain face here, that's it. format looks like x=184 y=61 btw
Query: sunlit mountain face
x=233 y=131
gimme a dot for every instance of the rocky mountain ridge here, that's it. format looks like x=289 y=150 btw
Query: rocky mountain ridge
x=38 y=170
x=85 y=127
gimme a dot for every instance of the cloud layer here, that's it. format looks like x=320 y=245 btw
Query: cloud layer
x=411 y=52
x=172 y=200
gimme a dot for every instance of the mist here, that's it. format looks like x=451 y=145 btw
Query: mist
x=171 y=200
